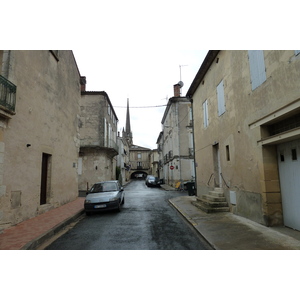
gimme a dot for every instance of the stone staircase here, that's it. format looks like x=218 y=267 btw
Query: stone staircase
x=214 y=202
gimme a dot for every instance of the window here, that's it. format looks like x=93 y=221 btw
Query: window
x=257 y=68
x=45 y=178
x=294 y=154
x=139 y=155
x=297 y=52
x=221 y=98
x=205 y=114
x=191 y=116
x=227 y=153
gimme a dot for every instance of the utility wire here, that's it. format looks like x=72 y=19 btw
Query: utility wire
x=140 y=106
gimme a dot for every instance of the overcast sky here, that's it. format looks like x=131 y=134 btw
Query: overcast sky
x=145 y=78
x=133 y=49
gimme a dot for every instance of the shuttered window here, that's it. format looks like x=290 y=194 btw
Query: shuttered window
x=221 y=98
x=257 y=68
x=205 y=114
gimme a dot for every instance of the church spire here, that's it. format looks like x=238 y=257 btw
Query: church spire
x=128 y=129
x=128 y=132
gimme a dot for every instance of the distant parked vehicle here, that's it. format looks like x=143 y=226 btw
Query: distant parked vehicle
x=105 y=195
x=152 y=181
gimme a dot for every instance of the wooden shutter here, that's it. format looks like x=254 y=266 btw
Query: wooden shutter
x=221 y=98
x=257 y=68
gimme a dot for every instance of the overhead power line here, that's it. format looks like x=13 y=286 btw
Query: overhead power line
x=140 y=106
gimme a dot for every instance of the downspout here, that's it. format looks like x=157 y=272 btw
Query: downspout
x=194 y=152
x=177 y=121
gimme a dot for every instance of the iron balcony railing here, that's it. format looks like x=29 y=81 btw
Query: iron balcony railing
x=7 y=94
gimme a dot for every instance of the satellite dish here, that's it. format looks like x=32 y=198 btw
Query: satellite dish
x=180 y=83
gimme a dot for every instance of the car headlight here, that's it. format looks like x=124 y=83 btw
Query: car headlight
x=113 y=199
x=87 y=201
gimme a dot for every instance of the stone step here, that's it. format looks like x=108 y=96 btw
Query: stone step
x=213 y=203
x=216 y=194
x=213 y=198
x=219 y=190
x=209 y=209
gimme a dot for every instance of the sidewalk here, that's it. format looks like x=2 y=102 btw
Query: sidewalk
x=226 y=231
x=31 y=233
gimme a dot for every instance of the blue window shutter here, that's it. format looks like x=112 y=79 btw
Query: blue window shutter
x=257 y=67
x=221 y=98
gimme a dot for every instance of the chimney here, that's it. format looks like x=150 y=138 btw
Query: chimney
x=82 y=83
x=177 y=88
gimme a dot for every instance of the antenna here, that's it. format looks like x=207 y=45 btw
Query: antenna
x=181 y=84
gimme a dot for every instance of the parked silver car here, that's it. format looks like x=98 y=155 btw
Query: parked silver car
x=105 y=195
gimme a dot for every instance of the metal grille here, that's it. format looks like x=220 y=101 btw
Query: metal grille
x=285 y=125
x=7 y=94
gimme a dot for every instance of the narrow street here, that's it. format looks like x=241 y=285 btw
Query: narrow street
x=146 y=222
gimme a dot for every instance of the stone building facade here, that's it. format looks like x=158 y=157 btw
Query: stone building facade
x=246 y=108
x=176 y=141
x=39 y=134
x=98 y=139
x=123 y=160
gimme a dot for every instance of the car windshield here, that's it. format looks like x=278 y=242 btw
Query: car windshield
x=151 y=177
x=104 y=187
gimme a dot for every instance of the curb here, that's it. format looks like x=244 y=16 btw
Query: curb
x=35 y=243
x=194 y=224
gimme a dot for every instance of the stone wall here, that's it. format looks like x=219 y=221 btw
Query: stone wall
x=46 y=121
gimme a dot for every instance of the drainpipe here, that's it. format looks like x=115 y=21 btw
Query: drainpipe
x=194 y=152
x=177 y=121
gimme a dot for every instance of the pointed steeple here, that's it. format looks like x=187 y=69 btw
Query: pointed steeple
x=128 y=132
x=128 y=129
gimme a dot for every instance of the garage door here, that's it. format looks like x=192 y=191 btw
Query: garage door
x=289 y=172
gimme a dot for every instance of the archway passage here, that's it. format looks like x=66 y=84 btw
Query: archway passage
x=138 y=175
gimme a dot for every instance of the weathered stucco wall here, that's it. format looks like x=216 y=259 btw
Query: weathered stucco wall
x=247 y=168
x=46 y=121
x=96 y=166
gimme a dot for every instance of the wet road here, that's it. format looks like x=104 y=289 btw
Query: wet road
x=146 y=222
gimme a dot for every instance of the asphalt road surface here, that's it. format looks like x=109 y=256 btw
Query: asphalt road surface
x=147 y=222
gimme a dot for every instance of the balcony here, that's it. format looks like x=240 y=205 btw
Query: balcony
x=7 y=96
x=109 y=146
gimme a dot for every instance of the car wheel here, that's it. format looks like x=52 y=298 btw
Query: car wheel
x=87 y=213
x=119 y=207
